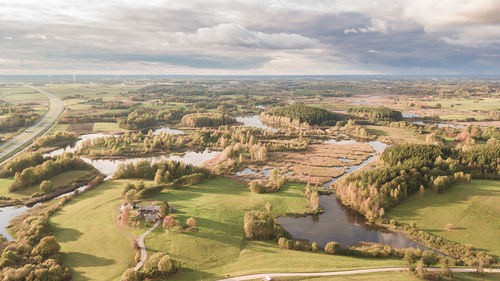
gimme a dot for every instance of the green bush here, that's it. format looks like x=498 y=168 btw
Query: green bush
x=332 y=248
x=259 y=225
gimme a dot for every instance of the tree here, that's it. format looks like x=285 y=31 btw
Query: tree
x=420 y=269
x=314 y=201
x=158 y=177
x=255 y=187
x=430 y=258
x=259 y=225
x=191 y=222
x=46 y=186
x=410 y=257
x=164 y=209
x=48 y=247
x=131 y=196
x=332 y=248
x=169 y=222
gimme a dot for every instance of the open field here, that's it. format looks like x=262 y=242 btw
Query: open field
x=107 y=127
x=91 y=90
x=217 y=247
x=95 y=249
x=62 y=180
x=473 y=210
x=468 y=104
x=398 y=134
x=389 y=276
x=91 y=244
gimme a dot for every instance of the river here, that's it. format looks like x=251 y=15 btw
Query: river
x=340 y=224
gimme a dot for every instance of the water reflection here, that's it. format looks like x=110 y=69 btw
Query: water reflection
x=253 y=121
x=167 y=130
x=342 y=225
x=109 y=166
x=6 y=214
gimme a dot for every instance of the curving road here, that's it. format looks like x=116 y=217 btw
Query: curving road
x=347 y=272
x=22 y=140
x=142 y=246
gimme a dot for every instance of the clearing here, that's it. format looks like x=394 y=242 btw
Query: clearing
x=472 y=210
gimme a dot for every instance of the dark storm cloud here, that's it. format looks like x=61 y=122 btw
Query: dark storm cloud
x=261 y=37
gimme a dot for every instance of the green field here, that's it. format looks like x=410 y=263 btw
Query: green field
x=91 y=244
x=58 y=128
x=108 y=127
x=473 y=209
x=398 y=134
x=468 y=104
x=218 y=247
x=461 y=117
x=61 y=180
x=107 y=92
x=95 y=249
x=389 y=276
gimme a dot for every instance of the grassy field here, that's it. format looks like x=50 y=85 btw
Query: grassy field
x=396 y=133
x=461 y=117
x=95 y=249
x=468 y=104
x=389 y=276
x=107 y=92
x=61 y=180
x=91 y=245
x=58 y=128
x=474 y=210
x=218 y=247
x=108 y=127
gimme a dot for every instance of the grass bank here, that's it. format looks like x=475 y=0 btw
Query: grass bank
x=218 y=248
x=473 y=211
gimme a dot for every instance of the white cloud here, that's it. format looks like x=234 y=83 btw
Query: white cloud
x=35 y=36
x=230 y=34
x=7 y=38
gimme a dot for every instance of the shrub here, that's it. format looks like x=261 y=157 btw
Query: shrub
x=160 y=265
x=259 y=225
x=315 y=247
x=255 y=187
x=430 y=258
x=46 y=186
x=332 y=248
x=191 y=222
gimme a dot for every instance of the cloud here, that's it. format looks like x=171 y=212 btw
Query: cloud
x=236 y=35
x=35 y=36
x=258 y=36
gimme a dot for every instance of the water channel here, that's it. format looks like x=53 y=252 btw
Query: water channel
x=340 y=224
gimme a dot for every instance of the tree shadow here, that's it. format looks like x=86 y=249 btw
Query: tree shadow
x=67 y=234
x=76 y=259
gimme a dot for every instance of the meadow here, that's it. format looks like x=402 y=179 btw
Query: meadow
x=95 y=248
x=471 y=211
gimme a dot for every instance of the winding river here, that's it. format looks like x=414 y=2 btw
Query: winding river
x=340 y=224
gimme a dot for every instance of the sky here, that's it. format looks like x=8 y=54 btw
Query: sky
x=255 y=37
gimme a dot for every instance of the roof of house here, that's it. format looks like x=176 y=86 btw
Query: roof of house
x=150 y=208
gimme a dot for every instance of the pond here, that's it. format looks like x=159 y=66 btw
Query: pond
x=409 y=115
x=167 y=130
x=76 y=145
x=441 y=125
x=341 y=224
x=6 y=214
x=254 y=121
x=109 y=166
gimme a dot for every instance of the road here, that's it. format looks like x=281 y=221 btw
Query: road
x=347 y=272
x=22 y=140
x=140 y=243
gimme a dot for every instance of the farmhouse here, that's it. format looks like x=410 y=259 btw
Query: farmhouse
x=149 y=213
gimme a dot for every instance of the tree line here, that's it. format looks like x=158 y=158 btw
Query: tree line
x=306 y=114
x=409 y=168
x=48 y=169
